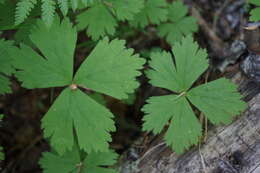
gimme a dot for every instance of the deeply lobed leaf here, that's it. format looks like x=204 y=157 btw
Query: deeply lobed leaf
x=154 y=12
x=42 y=72
x=116 y=74
x=218 y=100
x=82 y=113
x=98 y=21
x=178 y=25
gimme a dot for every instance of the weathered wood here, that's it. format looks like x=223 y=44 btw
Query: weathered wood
x=234 y=148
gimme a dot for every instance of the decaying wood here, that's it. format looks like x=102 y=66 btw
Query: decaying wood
x=234 y=148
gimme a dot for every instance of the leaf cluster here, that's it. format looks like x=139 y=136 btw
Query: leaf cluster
x=217 y=100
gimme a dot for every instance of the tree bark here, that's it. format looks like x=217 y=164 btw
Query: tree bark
x=233 y=148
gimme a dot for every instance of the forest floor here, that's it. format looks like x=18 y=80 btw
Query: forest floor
x=221 y=23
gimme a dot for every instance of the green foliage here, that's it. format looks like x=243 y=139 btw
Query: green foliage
x=6 y=68
x=70 y=162
x=217 y=100
x=179 y=24
x=255 y=13
x=24 y=7
x=154 y=12
x=110 y=69
x=7 y=15
x=48 y=9
x=101 y=18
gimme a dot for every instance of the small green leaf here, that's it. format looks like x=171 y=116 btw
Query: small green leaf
x=178 y=77
x=163 y=73
x=255 y=14
x=218 y=100
x=83 y=113
x=67 y=163
x=48 y=10
x=23 y=9
x=95 y=162
x=179 y=25
x=154 y=12
x=110 y=69
x=126 y=9
x=70 y=162
x=184 y=129
x=55 y=69
x=64 y=6
x=98 y=21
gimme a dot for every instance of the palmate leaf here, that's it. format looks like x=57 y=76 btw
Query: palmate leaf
x=178 y=25
x=154 y=12
x=109 y=65
x=42 y=72
x=218 y=100
x=70 y=162
x=126 y=9
x=98 y=21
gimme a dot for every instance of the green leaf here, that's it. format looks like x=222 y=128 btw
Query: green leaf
x=48 y=10
x=110 y=69
x=23 y=32
x=73 y=111
x=23 y=9
x=126 y=9
x=98 y=21
x=7 y=15
x=164 y=73
x=255 y=14
x=218 y=100
x=70 y=162
x=67 y=163
x=4 y=85
x=42 y=72
x=179 y=25
x=96 y=162
x=5 y=65
x=64 y=6
x=83 y=113
x=184 y=128
x=178 y=77
x=74 y=4
x=154 y=12
x=256 y=2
